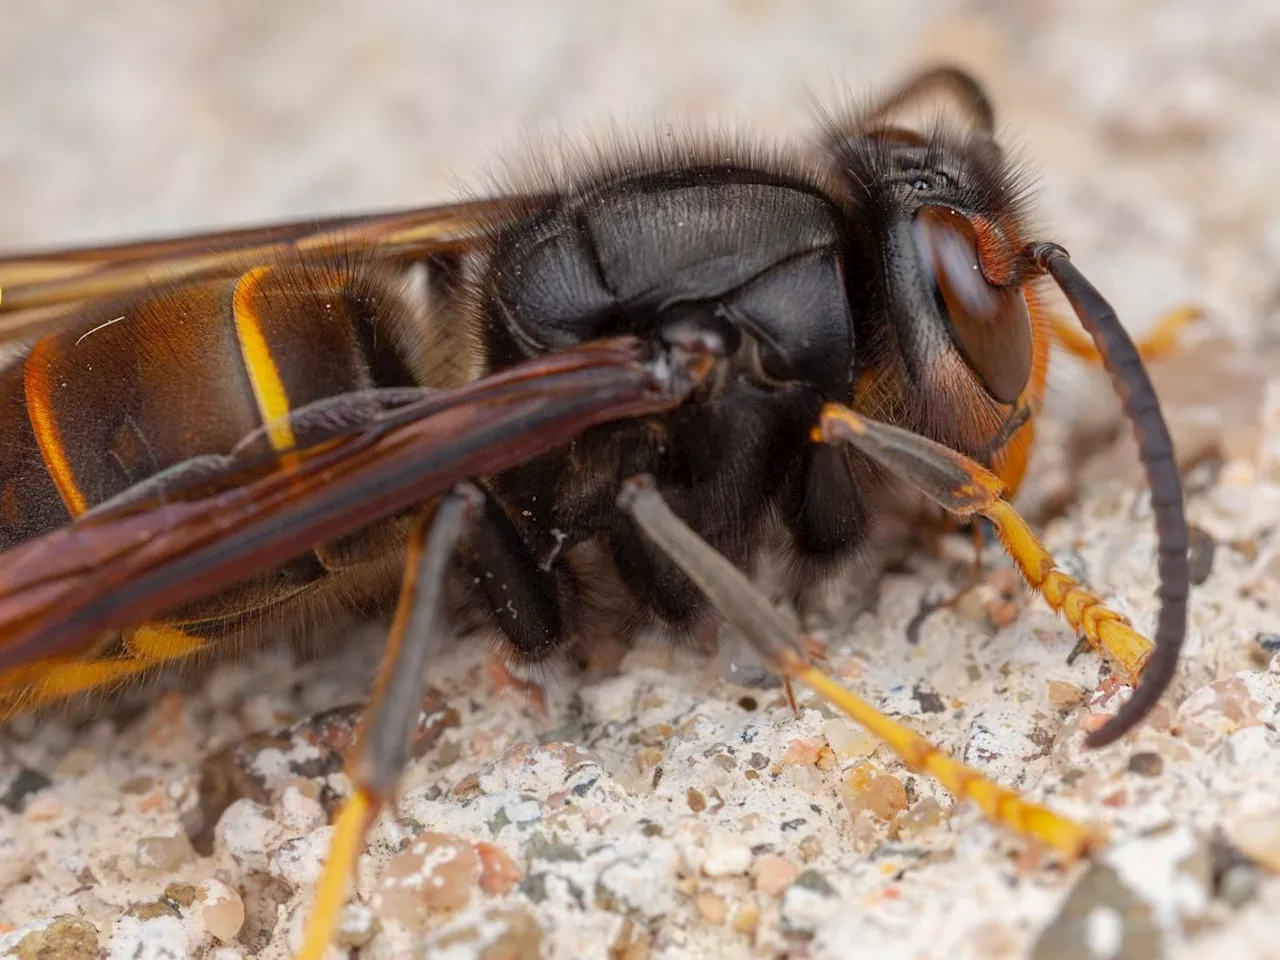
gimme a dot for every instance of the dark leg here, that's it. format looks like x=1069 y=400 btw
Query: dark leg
x=524 y=591
x=775 y=639
x=386 y=729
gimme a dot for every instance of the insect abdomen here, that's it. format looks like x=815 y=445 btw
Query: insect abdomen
x=179 y=373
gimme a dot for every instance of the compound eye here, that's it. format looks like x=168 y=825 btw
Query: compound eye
x=989 y=325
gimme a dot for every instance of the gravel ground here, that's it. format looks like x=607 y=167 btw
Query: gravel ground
x=665 y=811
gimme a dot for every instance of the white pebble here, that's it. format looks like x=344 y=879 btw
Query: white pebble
x=246 y=831
x=300 y=861
x=300 y=812
x=160 y=938
x=726 y=858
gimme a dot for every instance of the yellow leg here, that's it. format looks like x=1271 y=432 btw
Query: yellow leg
x=48 y=681
x=331 y=893
x=774 y=637
x=999 y=804
x=964 y=487
x=1163 y=339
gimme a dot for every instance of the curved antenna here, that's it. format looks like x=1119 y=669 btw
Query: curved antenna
x=960 y=85
x=1155 y=447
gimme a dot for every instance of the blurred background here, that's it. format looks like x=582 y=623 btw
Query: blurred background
x=1153 y=131
x=1153 y=125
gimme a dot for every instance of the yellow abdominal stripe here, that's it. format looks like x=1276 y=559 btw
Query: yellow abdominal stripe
x=264 y=375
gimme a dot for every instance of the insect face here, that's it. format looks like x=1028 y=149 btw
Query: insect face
x=952 y=338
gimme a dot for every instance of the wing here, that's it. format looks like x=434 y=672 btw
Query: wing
x=37 y=291
x=122 y=565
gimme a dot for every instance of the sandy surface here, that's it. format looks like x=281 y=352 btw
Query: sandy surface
x=666 y=812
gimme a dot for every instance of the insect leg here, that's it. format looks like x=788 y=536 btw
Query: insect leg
x=111 y=664
x=1160 y=341
x=964 y=487
x=775 y=638
x=386 y=729
x=957 y=84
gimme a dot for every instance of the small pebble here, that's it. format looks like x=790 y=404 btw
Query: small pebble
x=183 y=894
x=848 y=740
x=62 y=938
x=24 y=786
x=1258 y=836
x=300 y=862
x=162 y=936
x=883 y=795
x=1268 y=642
x=926 y=813
x=1063 y=694
x=726 y=858
x=498 y=872
x=437 y=872
x=43 y=807
x=696 y=800
x=747 y=919
x=1239 y=886
x=247 y=831
x=301 y=812
x=774 y=875
x=1001 y=612
x=163 y=854
x=1146 y=764
x=500 y=934
x=712 y=907
x=803 y=752
x=356 y=927
x=808 y=902
x=221 y=910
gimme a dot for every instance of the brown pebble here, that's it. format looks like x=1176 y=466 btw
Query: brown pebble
x=163 y=854
x=518 y=937
x=882 y=795
x=152 y=910
x=1146 y=764
x=42 y=808
x=1259 y=837
x=498 y=872
x=138 y=785
x=183 y=894
x=803 y=752
x=826 y=759
x=926 y=813
x=1062 y=694
x=774 y=875
x=221 y=910
x=1001 y=612
x=66 y=938
x=437 y=872
x=747 y=919
x=712 y=908
x=632 y=943
x=810 y=848
x=1093 y=721
x=1005 y=581
x=648 y=758
x=697 y=802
